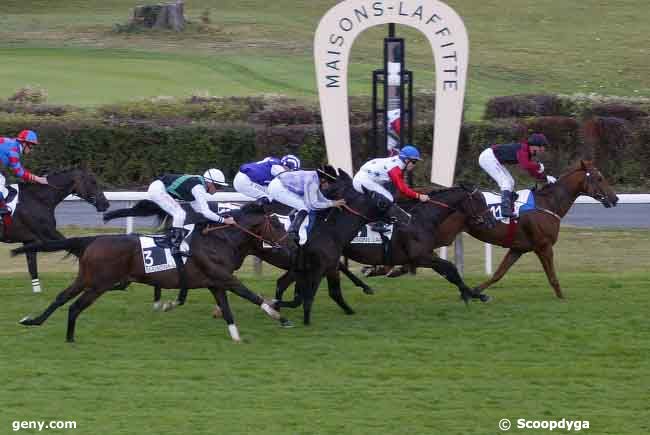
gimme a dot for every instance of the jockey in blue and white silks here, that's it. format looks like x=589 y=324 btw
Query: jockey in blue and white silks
x=301 y=190
x=253 y=178
x=10 y=152
x=196 y=190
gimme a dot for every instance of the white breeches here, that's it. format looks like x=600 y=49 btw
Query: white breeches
x=281 y=194
x=362 y=179
x=3 y=189
x=496 y=170
x=243 y=184
x=158 y=194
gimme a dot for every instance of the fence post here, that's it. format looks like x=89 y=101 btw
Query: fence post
x=488 y=259
x=459 y=254
x=129 y=220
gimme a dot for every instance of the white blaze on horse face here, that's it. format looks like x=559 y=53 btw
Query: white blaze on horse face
x=447 y=35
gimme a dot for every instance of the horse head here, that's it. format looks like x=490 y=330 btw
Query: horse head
x=81 y=183
x=466 y=200
x=595 y=185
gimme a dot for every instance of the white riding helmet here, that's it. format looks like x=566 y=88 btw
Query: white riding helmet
x=215 y=176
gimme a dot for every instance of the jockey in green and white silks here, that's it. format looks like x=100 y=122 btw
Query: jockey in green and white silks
x=166 y=190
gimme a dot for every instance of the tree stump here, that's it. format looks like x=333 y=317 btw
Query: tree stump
x=160 y=16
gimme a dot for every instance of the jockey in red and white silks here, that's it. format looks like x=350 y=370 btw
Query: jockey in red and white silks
x=376 y=174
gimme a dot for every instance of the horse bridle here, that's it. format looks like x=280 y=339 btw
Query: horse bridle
x=477 y=217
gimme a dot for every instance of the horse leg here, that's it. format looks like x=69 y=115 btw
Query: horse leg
x=545 y=255
x=73 y=290
x=222 y=301
x=355 y=280
x=309 y=293
x=448 y=270
x=83 y=302
x=334 y=287
x=283 y=283
x=236 y=286
x=32 y=266
x=157 y=294
x=511 y=258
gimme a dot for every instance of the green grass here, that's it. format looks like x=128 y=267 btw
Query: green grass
x=517 y=46
x=413 y=360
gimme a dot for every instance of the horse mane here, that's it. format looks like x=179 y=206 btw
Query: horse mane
x=550 y=187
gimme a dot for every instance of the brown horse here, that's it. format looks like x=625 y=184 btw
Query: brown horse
x=107 y=262
x=537 y=230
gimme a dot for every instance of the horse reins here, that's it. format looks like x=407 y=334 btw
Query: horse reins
x=209 y=229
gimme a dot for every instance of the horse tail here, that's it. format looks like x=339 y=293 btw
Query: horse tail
x=74 y=246
x=142 y=208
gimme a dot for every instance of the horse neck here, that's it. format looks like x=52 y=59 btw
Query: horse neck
x=346 y=227
x=562 y=194
x=451 y=197
x=50 y=195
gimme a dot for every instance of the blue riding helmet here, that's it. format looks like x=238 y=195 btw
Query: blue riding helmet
x=290 y=161
x=409 y=152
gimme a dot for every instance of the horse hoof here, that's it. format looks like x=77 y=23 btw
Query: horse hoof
x=485 y=298
x=368 y=291
x=350 y=312
x=286 y=323
x=216 y=312
x=27 y=321
x=157 y=306
x=169 y=305
x=267 y=307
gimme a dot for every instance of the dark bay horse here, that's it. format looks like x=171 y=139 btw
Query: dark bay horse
x=413 y=244
x=116 y=260
x=332 y=231
x=34 y=219
x=537 y=230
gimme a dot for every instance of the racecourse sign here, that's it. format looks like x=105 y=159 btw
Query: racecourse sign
x=446 y=33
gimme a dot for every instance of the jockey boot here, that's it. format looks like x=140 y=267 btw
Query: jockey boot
x=265 y=200
x=506 y=204
x=294 y=228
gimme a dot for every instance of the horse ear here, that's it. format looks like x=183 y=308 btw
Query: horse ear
x=344 y=175
x=468 y=187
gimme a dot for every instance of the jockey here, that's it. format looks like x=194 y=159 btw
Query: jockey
x=376 y=174
x=492 y=160
x=196 y=189
x=301 y=190
x=253 y=178
x=10 y=151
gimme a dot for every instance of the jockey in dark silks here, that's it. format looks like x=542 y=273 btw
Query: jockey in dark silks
x=10 y=152
x=492 y=160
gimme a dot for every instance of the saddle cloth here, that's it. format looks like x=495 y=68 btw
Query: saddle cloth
x=157 y=258
x=368 y=236
x=525 y=202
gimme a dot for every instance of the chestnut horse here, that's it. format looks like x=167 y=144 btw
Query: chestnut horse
x=538 y=229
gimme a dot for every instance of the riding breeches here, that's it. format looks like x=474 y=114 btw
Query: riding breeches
x=281 y=194
x=3 y=188
x=488 y=161
x=158 y=194
x=243 y=184
x=362 y=179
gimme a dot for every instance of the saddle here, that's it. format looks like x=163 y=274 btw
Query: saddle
x=6 y=219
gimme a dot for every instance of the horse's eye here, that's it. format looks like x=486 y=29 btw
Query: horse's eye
x=600 y=179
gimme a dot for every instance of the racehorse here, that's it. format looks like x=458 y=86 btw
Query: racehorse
x=107 y=262
x=279 y=258
x=413 y=244
x=33 y=219
x=331 y=232
x=537 y=230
